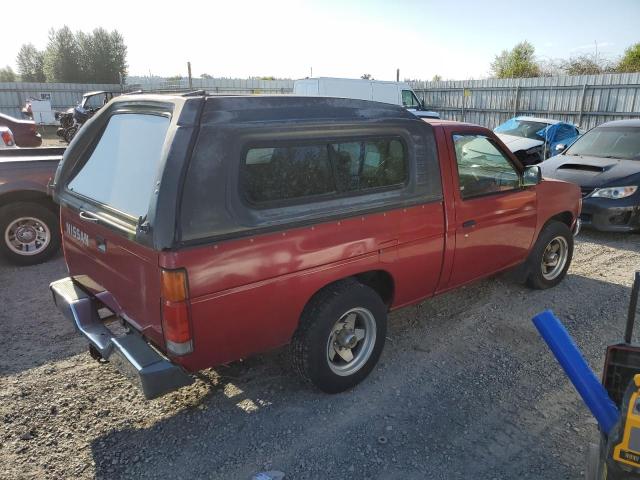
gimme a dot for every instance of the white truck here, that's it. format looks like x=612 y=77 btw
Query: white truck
x=396 y=93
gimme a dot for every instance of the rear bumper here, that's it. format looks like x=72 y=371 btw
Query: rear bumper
x=611 y=215
x=130 y=354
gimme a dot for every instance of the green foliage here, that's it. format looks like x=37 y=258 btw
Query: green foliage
x=630 y=61
x=586 y=65
x=7 y=74
x=30 y=62
x=436 y=78
x=518 y=62
x=206 y=76
x=102 y=56
x=96 y=57
x=62 y=57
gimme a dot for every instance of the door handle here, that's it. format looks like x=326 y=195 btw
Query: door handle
x=469 y=224
x=87 y=217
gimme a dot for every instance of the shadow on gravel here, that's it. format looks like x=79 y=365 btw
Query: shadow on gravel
x=620 y=241
x=401 y=418
x=32 y=331
x=225 y=424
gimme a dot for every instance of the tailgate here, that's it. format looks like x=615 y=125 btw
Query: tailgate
x=123 y=274
x=107 y=199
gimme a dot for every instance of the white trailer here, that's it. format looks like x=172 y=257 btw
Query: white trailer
x=396 y=93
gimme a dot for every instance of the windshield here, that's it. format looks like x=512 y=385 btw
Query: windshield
x=609 y=142
x=122 y=169
x=523 y=128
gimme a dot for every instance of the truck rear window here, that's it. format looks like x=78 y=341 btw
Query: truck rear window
x=122 y=168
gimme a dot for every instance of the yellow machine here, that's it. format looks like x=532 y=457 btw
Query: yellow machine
x=627 y=451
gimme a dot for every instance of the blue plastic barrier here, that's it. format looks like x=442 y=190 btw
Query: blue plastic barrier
x=568 y=355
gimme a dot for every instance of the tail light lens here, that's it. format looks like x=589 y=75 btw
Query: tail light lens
x=176 y=321
x=7 y=138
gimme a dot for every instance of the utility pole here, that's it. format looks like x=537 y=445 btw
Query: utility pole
x=311 y=76
x=189 y=70
x=397 y=74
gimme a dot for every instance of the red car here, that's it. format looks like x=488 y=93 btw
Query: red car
x=24 y=131
x=214 y=228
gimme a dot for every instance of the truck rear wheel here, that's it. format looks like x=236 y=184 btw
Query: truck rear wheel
x=340 y=337
x=30 y=233
x=551 y=256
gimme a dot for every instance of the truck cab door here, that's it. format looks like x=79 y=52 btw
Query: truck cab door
x=495 y=218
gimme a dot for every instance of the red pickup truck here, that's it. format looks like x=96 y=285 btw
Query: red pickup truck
x=214 y=228
x=29 y=226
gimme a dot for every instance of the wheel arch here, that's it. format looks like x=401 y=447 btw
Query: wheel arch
x=380 y=281
x=30 y=196
x=565 y=217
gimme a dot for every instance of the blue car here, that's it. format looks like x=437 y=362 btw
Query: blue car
x=533 y=139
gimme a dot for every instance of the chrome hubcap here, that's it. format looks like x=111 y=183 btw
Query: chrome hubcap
x=27 y=236
x=554 y=258
x=351 y=341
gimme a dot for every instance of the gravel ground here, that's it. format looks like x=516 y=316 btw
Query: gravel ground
x=465 y=389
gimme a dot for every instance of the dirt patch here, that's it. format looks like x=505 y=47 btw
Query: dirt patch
x=464 y=389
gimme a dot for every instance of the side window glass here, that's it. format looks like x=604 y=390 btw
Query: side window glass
x=370 y=164
x=482 y=168
x=292 y=172
x=284 y=173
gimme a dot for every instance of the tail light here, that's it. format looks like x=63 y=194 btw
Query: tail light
x=176 y=321
x=7 y=138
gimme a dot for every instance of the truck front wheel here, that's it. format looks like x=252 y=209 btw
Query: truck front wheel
x=340 y=337
x=551 y=256
x=30 y=233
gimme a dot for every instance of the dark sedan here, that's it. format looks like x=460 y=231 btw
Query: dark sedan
x=24 y=131
x=605 y=162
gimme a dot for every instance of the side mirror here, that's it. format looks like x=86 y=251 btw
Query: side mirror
x=532 y=176
x=561 y=147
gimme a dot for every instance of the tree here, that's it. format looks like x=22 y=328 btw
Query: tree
x=102 y=56
x=516 y=63
x=30 y=62
x=7 y=74
x=206 y=76
x=366 y=76
x=630 y=61
x=61 y=58
x=436 y=78
x=586 y=65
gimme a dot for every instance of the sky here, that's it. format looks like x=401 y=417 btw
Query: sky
x=286 y=39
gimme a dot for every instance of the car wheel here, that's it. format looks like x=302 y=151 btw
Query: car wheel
x=551 y=256
x=340 y=337
x=30 y=233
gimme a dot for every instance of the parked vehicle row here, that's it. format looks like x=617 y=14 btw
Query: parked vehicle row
x=605 y=163
x=303 y=228
x=533 y=139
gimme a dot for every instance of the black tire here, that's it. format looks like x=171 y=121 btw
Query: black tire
x=535 y=275
x=69 y=133
x=310 y=343
x=41 y=213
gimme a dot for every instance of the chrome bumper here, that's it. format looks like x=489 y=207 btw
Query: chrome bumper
x=130 y=353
